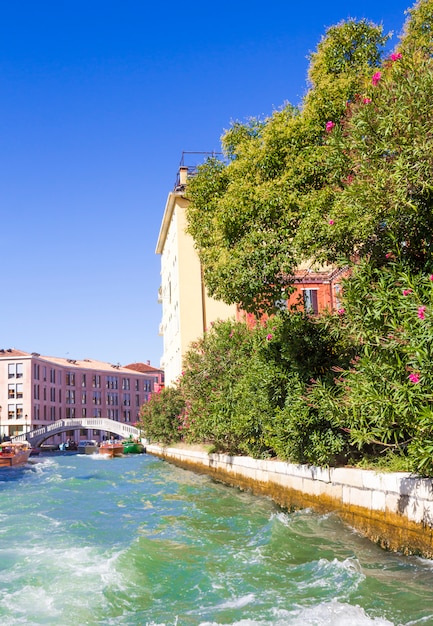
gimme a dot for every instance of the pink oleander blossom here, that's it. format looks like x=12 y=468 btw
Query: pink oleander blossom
x=269 y=337
x=331 y=222
x=396 y=56
x=329 y=126
x=414 y=378
x=341 y=311
x=406 y=292
x=431 y=277
x=367 y=101
x=376 y=78
x=388 y=255
x=421 y=312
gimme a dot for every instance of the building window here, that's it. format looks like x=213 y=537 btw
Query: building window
x=70 y=396
x=19 y=390
x=126 y=399
x=70 y=412
x=52 y=394
x=137 y=400
x=11 y=392
x=97 y=397
x=96 y=381
x=19 y=370
x=36 y=392
x=36 y=371
x=84 y=397
x=112 y=399
x=70 y=379
x=127 y=416
x=112 y=382
x=337 y=290
x=53 y=376
x=310 y=301
x=11 y=411
x=19 y=411
x=137 y=385
x=83 y=380
x=97 y=412
x=113 y=414
x=84 y=412
x=125 y=384
x=53 y=413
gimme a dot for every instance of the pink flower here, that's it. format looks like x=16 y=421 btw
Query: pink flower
x=421 y=312
x=329 y=126
x=331 y=222
x=431 y=277
x=414 y=378
x=406 y=292
x=388 y=255
x=341 y=311
x=367 y=101
x=395 y=56
x=269 y=337
x=376 y=78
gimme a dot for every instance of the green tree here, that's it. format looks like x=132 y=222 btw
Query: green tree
x=383 y=401
x=161 y=417
x=383 y=165
x=246 y=216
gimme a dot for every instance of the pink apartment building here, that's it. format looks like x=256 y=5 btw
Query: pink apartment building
x=36 y=390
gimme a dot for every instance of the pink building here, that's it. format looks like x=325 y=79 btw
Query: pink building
x=36 y=390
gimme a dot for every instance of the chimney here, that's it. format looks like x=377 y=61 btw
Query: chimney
x=183 y=174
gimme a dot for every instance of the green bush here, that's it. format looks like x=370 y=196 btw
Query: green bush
x=161 y=417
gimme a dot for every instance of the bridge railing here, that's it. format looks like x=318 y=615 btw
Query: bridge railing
x=38 y=435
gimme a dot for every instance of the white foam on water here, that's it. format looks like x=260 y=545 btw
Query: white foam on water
x=324 y=614
x=237 y=603
x=44 y=582
x=334 y=613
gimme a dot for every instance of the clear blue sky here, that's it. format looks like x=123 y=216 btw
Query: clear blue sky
x=98 y=99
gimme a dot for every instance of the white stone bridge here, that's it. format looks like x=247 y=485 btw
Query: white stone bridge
x=38 y=436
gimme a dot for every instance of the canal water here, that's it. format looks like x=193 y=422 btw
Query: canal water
x=137 y=541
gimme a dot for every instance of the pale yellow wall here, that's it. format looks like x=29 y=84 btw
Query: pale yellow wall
x=186 y=308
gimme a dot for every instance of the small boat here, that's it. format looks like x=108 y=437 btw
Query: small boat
x=132 y=446
x=111 y=448
x=87 y=446
x=14 y=453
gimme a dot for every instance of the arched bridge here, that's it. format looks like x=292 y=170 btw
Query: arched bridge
x=36 y=437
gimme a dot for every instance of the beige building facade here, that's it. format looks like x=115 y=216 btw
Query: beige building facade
x=187 y=309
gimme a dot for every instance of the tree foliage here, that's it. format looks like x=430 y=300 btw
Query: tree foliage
x=162 y=415
x=345 y=177
x=248 y=222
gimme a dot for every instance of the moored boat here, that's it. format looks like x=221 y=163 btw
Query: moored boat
x=132 y=446
x=87 y=446
x=14 y=453
x=111 y=448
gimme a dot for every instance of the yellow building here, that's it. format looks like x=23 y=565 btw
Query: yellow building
x=187 y=310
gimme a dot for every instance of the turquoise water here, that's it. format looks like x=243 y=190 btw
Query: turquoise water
x=137 y=541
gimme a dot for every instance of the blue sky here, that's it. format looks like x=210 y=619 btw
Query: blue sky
x=97 y=102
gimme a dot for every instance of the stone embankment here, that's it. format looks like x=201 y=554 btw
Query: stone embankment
x=395 y=510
